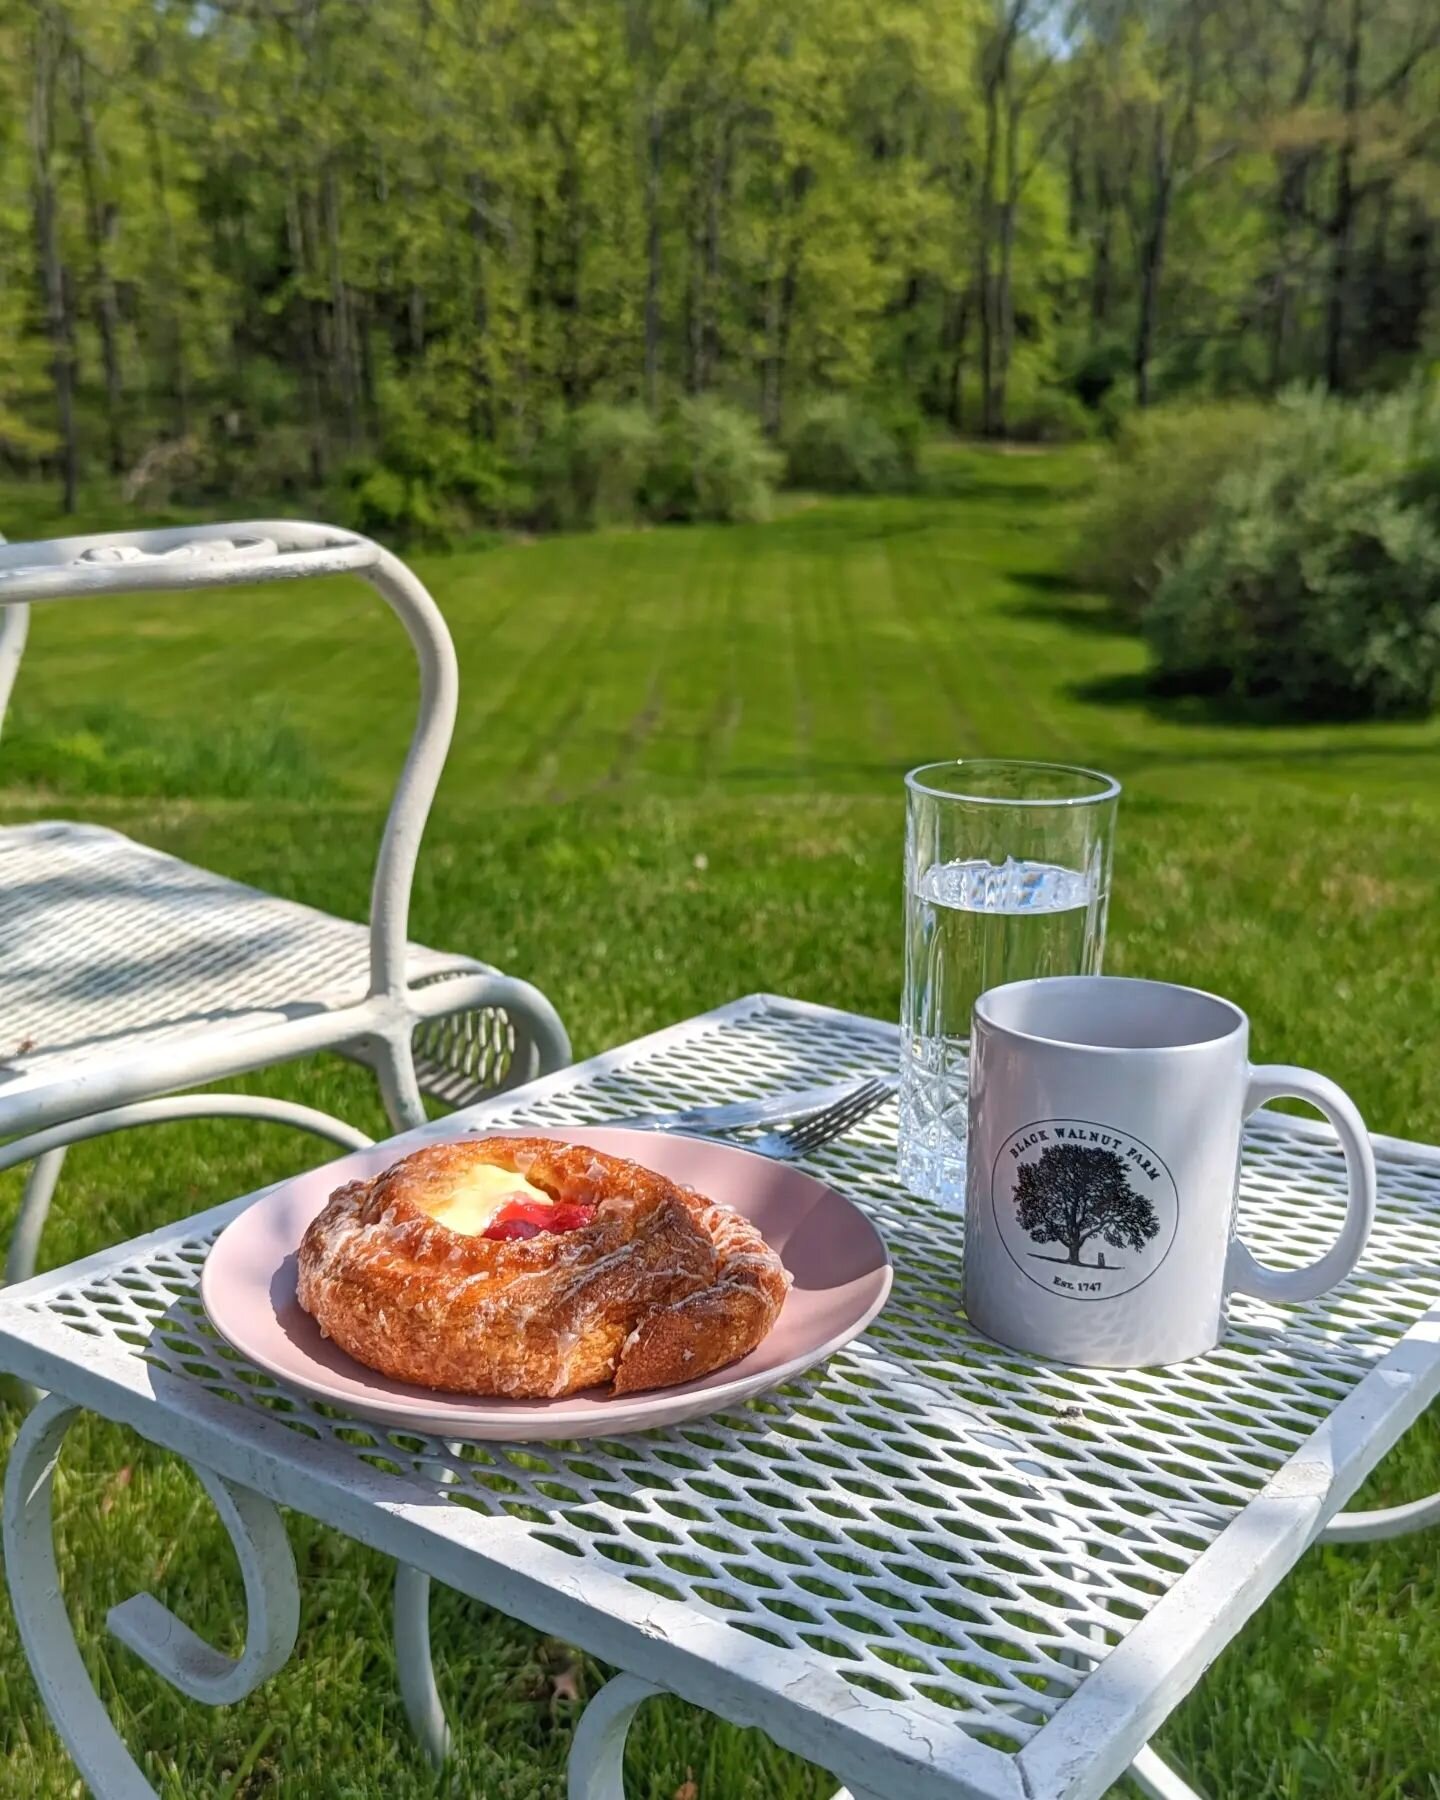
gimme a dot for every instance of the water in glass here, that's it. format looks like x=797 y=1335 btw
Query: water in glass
x=1007 y=876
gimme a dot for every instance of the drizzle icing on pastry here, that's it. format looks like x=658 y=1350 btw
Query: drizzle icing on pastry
x=631 y=1279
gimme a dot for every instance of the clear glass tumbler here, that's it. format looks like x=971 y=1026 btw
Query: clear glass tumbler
x=1007 y=876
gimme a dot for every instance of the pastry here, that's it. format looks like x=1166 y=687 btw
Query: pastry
x=530 y=1268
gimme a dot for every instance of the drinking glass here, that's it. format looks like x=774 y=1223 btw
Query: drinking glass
x=1007 y=876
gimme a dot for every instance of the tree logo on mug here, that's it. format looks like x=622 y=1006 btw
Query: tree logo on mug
x=1086 y=1211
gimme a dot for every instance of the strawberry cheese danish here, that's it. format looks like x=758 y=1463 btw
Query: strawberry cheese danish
x=529 y=1268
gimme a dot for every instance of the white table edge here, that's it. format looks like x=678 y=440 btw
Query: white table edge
x=816 y=1714
x=1089 y=1741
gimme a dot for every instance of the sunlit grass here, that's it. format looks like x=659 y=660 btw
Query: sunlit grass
x=676 y=780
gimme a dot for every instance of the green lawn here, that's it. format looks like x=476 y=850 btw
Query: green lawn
x=676 y=779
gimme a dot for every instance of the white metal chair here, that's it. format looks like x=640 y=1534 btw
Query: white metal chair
x=126 y=975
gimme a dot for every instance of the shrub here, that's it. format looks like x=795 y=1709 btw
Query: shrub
x=839 y=446
x=1314 y=589
x=274 y=460
x=172 y=467
x=1160 y=489
x=611 y=452
x=383 y=502
x=549 y=473
x=1051 y=416
x=713 y=463
x=433 y=478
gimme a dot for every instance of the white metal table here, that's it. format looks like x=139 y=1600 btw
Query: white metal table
x=938 y=1568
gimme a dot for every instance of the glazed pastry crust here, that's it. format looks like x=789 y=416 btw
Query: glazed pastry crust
x=661 y=1286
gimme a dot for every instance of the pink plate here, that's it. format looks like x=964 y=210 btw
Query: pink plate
x=838 y=1259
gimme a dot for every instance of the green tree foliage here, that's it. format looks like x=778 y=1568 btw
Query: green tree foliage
x=281 y=232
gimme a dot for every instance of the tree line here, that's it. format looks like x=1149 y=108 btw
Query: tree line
x=301 y=229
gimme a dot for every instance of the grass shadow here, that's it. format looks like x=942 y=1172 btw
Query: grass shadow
x=1178 y=706
x=1061 y=601
x=968 y=484
x=1182 y=706
x=1046 y=581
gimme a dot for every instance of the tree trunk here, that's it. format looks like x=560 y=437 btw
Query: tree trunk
x=984 y=282
x=482 y=408
x=654 y=147
x=1004 y=286
x=45 y=60
x=714 y=235
x=770 y=369
x=1152 y=256
x=566 y=292
x=102 y=217
x=1342 y=218
x=365 y=332
x=174 y=328
x=1279 y=333
x=780 y=308
x=1101 y=266
x=696 y=300
x=704 y=267
x=779 y=312
x=1074 y=183
x=1294 y=169
x=342 y=323
x=309 y=340
x=955 y=398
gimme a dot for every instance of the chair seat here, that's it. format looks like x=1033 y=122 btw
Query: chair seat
x=107 y=945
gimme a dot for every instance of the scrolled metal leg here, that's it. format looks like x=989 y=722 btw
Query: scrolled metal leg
x=169 y=1647
x=272 y=1602
x=596 y=1770
x=1382 y=1522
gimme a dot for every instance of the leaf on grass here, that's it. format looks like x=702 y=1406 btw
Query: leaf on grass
x=687 y=1789
x=113 y=1488
x=565 y=1683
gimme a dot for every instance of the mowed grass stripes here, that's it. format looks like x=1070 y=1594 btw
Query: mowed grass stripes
x=676 y=779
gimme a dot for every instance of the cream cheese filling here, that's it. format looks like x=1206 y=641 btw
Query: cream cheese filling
x=470 y=1206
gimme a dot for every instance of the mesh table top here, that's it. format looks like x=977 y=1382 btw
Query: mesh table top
x=934 y=1565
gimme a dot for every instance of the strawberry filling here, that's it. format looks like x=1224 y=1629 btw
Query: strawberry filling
x=526 y=1219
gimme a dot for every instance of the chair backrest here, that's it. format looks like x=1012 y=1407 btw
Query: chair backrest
x=211 y=556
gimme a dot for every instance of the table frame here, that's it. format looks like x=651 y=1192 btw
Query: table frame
x=250 y=1464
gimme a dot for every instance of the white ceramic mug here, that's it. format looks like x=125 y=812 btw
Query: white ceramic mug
x=1104 y=1167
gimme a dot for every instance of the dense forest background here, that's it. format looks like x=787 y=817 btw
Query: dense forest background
x=255 y=240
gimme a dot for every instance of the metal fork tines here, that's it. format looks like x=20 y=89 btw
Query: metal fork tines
x=822 y=1127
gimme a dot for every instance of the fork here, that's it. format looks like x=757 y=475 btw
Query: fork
x=808 y=1134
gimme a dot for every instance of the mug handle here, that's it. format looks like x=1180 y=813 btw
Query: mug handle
x=1244 y=1273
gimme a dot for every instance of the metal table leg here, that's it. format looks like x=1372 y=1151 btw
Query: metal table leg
x=150 y=1629
x=596 y=1769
